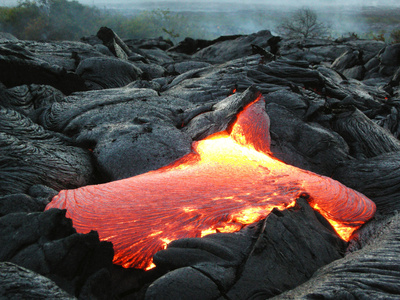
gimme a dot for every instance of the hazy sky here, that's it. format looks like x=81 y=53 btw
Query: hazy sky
x=284 y=2
x=249 y=2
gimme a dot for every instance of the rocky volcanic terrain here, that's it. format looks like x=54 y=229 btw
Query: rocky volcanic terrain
x=103 y=109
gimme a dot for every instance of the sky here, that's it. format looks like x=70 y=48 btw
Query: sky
x=265 y=2
x=246 y=2
x=287 y=2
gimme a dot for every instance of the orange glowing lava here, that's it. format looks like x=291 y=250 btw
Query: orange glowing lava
x=229 y=180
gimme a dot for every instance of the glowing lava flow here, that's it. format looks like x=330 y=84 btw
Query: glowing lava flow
x=229 y=180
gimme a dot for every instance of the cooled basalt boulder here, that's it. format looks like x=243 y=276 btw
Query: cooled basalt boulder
x=19 y=283
x=294 y=102
x=6 y=37
x=136 y=149
x=231 y=49
x=113 y=42
x=20 y=66
x=189 y=85
x=313 y=51
x=214 y=83
x=220 y=115
x=389 y=60
x=339 y=87
x=256 y=263
x=391 y=119
x=369 y=273
x=145 y=84
x=35 y=200
x=365 y=138
x=107 y=72
x=151 y=70
x=305 y=145
x=318 y=51
x=47 y=243
x=130 y=131
x=377 y=177
x=65 y=54
x=190 y=46
x=183 y=67
x=30 y=100
x=295 y=72
x=32 y=155
x=350 y=64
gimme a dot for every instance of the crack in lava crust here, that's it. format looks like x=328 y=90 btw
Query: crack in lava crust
x=229 y=180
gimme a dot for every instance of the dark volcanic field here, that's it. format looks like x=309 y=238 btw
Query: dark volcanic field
x=103 y=109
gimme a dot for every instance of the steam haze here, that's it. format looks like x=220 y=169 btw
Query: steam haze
x=232 y=4
x=251 y=16
x=210 y=19
x=176 y=4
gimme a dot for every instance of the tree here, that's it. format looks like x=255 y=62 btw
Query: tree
x=50 y=19
x=70 y=20
x=15 y=19
x=303 y=24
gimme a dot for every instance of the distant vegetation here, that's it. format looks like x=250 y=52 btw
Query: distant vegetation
x=392 y=37
x=70 y=20
x=384 y=24
x=50 y=20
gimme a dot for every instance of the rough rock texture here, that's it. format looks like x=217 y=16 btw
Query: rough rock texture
x=248 y=265
x=220 y=115
x=317 y=51
x=19 y=283
x=307 y=145
x=20 y=66
x=391 y=120
x=228 y=50
x=129 y=130
x=185 y=66
x=48 y=244
x=365 y=138
x=389 y=59
x=22 y=203
x=120 y=73
x=370 y=273
x=29 y=100
x=363 y=176
x=32 y=155
x=334 y=109
x=113 y=42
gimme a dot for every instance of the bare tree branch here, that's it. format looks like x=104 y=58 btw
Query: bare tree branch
x=303 y=24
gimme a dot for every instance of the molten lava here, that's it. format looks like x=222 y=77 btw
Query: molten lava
x=227 y=181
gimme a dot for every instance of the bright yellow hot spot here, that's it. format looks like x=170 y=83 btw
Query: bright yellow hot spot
x=228 y=181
